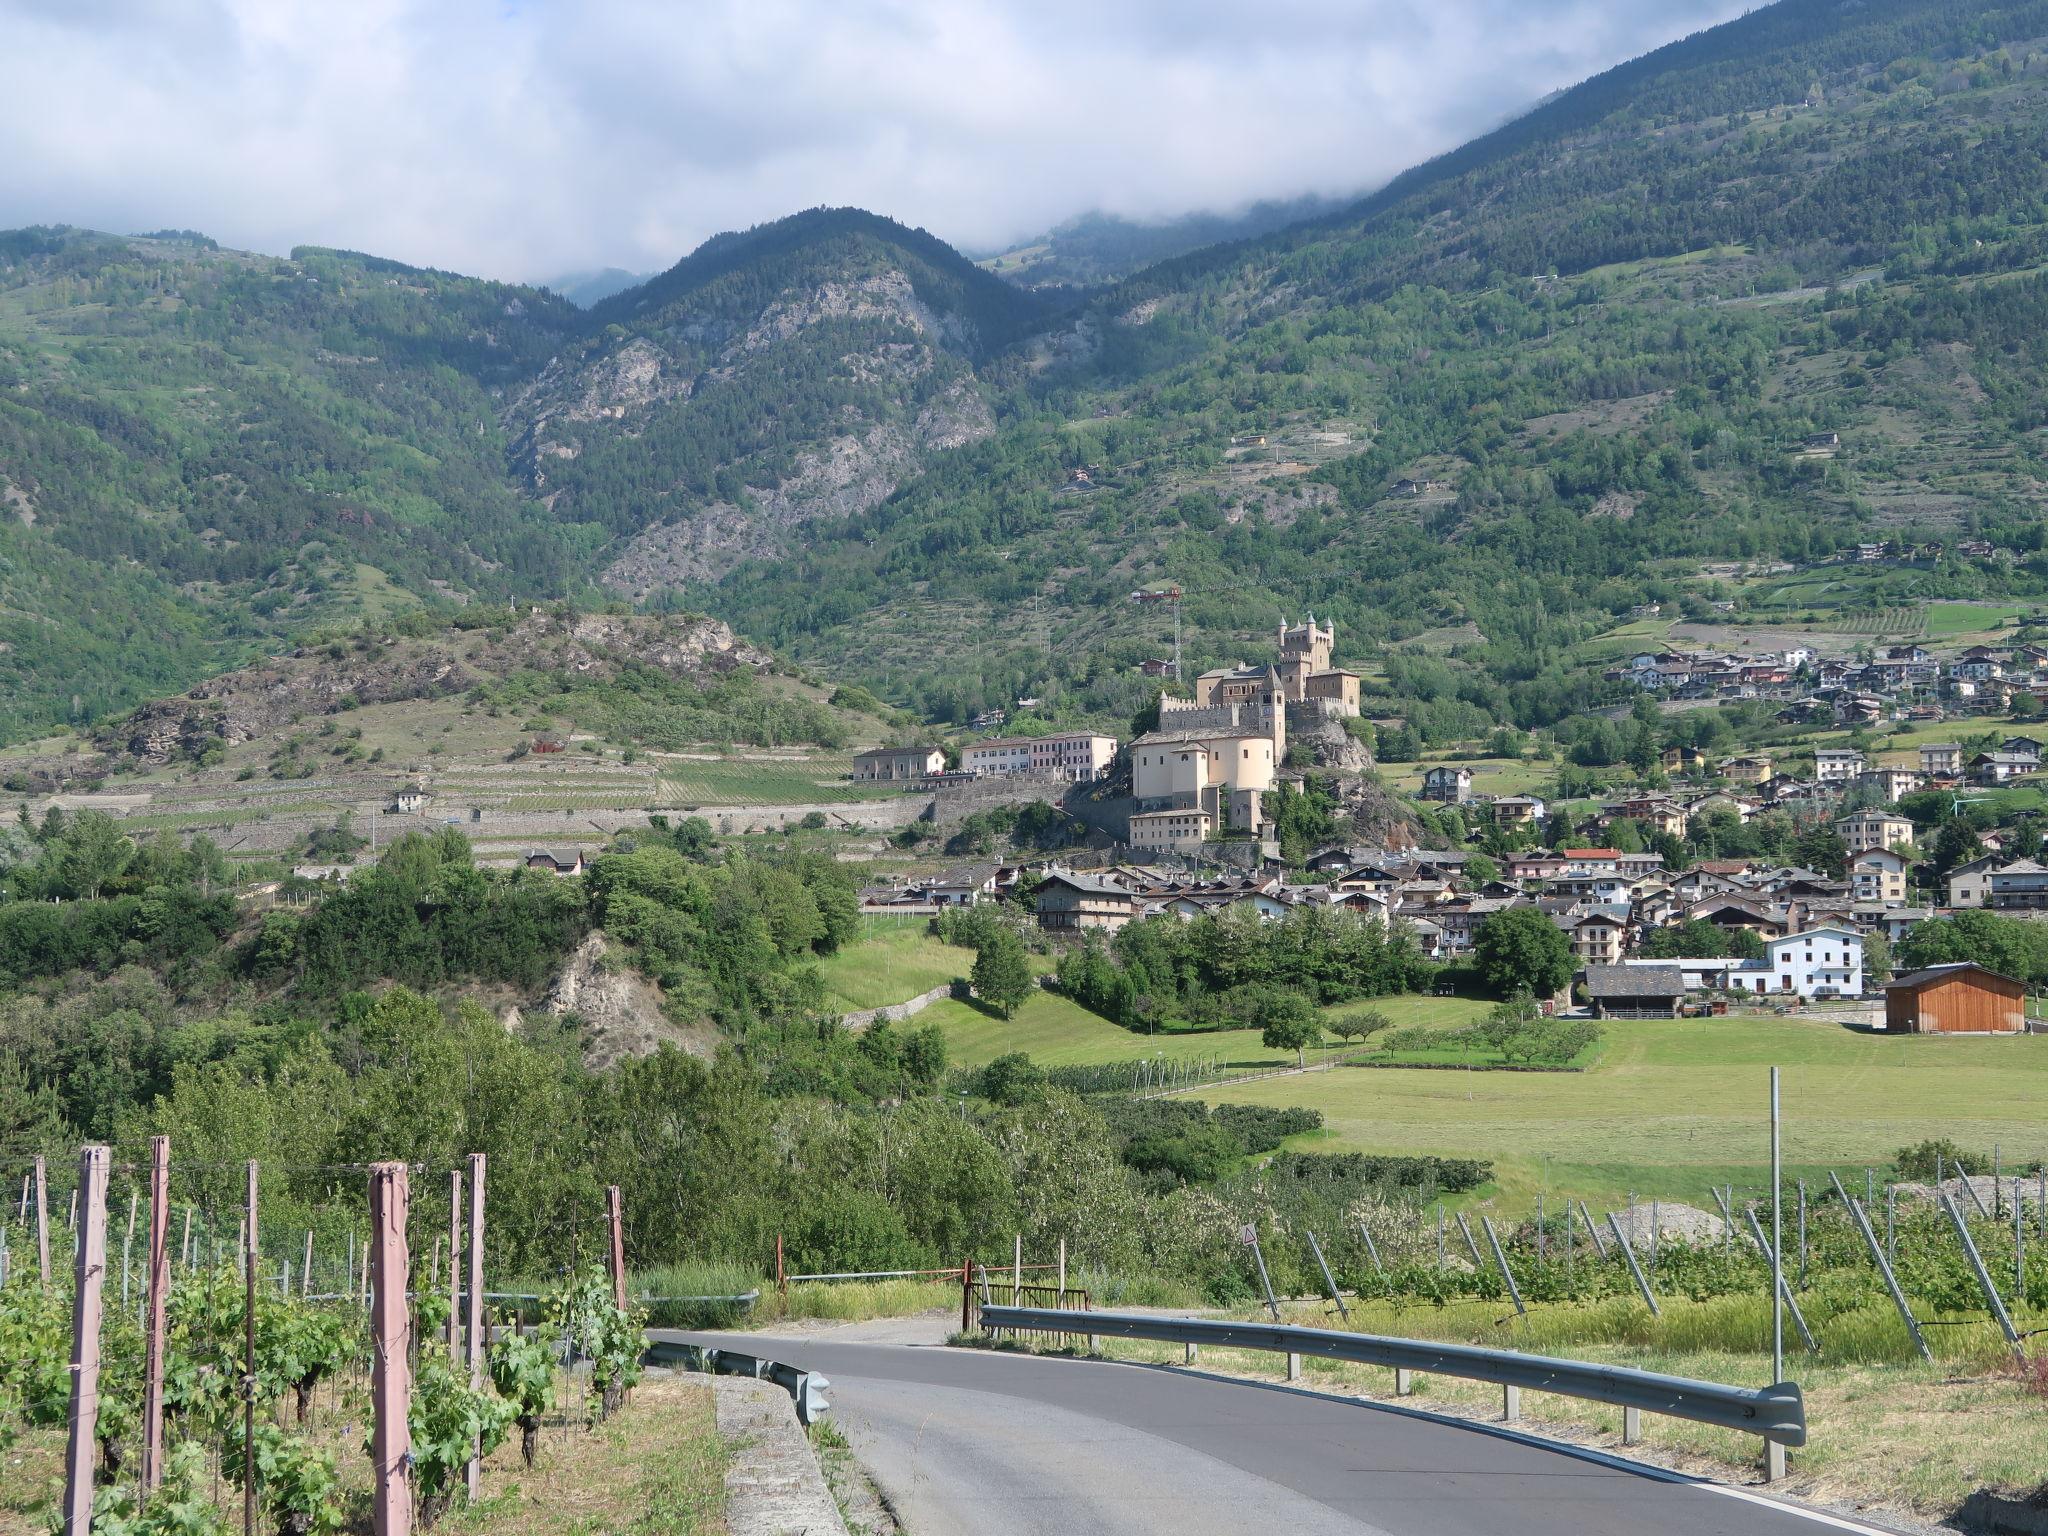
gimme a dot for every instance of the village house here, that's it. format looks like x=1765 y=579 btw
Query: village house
x=1171 y=831
x=410 y=801
x=1080 y=756
x=1076 y=903
x=1826 y=961
x=556 y=861
x=1598 y=936
x=893 y=763
x=1539 y=865
x=1998 y=767
x=2025 y=748
x=1449 y=783
x=1748 y=769
x=1969 y=885
x=1511 y=811
x=1682 y=759
x=1979 y=664
x=2020 y=886
x=1836 y=765
x=1939 y=759
x=1891 y=783
x=1878 y=875
x=1875 y=829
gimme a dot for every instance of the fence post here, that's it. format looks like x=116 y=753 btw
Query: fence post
x=156 y=1297
x=454 y=1265
x=82 y=1444
x=1592 y=1230
x=1471 y=1245
x=966 y=1293
x=185 y=1244
x=306 y=1269
x=249 y=1358
x=390 y=1371
x=1891 y=1281
x=1802 y=1234
x=42 y=1220
x=1500 y=1257
x=1991 y=1296
x=1371 y=1248
x=781 y=1274
x=611 y=1200
x=1329 y=1279
x=1063 y=1266
x=1017 y=1272
x=1251 y=1240
x=476 y=1299
x=1634 y=1268
x=1763 y=1246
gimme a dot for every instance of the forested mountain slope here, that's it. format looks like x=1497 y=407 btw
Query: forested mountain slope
x=1591 y=342
x=800 y=370
x=1597 y=338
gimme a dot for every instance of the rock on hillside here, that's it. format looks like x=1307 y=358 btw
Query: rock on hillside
x=320 y=680
x=620 y=1009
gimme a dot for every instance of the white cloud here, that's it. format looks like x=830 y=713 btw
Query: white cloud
x=524 y=139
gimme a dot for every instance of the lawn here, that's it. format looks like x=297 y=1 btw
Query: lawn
x=1947 y=620
x=893 y=964
x=1055 y=1032
x=1672 y=1107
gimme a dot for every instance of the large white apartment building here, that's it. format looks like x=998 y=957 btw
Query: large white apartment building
x=1077 y=755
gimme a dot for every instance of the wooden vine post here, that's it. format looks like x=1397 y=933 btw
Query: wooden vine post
x=42 y=1221
x=618 y=1246
x=156 y=1298
x=455 y=1265
x=390 y=1370
x=476 y=1302
x=249 y=1358
x=81 y=1447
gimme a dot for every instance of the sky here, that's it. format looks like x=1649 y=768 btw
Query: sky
x=531 y=139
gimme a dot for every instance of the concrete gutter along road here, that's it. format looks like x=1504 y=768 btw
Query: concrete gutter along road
x=977 y=1443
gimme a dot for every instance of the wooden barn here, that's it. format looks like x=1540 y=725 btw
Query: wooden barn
x=1959 y=999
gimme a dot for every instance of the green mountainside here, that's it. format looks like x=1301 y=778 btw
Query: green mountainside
x=1592 y=341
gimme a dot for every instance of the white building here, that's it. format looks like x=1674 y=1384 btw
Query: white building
x=1836 y=765
x=1078 y=755
x=1879 y=875
x=1823 y=961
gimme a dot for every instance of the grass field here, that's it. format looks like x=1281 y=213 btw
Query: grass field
x=891 y=965
x=1057 y=1033
x=1674 y=1106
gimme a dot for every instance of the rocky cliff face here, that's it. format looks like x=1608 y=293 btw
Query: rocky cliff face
x=815 y=401
x=320 y=680
x=621 y=1010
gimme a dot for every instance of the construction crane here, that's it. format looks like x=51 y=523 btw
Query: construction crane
x=1167 y=595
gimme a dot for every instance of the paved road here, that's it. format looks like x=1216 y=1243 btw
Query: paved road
x=968 y=1443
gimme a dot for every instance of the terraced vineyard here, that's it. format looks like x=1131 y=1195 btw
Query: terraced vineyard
x=817 y=780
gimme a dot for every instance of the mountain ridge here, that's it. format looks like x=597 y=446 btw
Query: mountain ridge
x=845 y=437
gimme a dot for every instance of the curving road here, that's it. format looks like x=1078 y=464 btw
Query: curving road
x=970 y=1443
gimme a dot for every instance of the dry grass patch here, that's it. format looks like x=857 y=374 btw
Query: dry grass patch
x=657 y=1466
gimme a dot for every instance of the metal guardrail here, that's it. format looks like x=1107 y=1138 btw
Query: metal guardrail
x=1776 y=1413
x=806 y=1388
